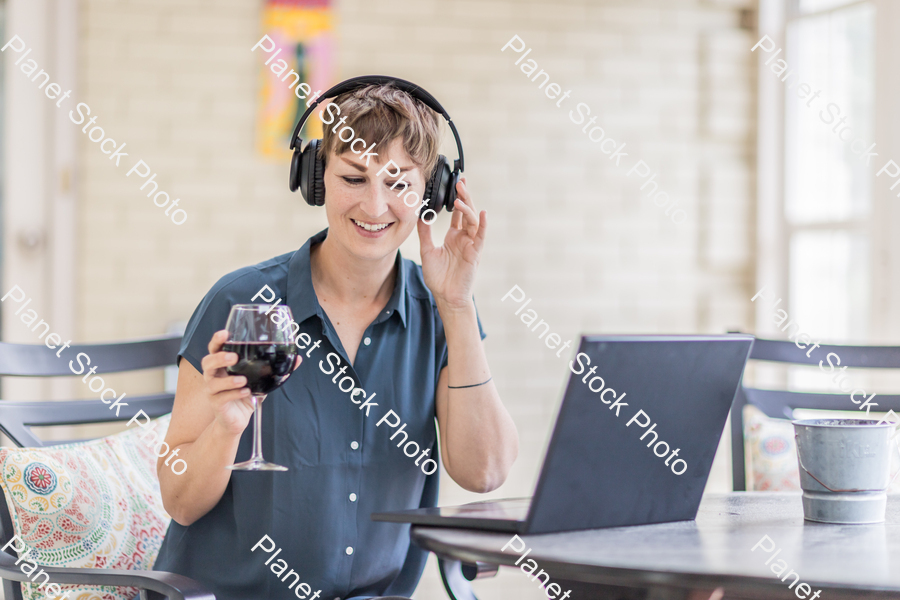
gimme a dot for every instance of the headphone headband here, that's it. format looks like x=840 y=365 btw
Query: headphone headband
x=409 y=87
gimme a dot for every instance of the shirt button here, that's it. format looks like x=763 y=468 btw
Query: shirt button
x=352 y=497
x=349 y=550
x=387 y=312
x=354 y=445
x=367 y=341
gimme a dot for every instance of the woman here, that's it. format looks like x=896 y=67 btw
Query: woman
x=409 y=336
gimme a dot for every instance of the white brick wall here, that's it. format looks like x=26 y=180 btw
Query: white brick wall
x=176 y=81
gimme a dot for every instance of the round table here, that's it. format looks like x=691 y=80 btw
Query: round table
x=843 y=561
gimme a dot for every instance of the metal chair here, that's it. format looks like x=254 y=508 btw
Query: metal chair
x=780 y=403
x=16 y=419
x=456 y=576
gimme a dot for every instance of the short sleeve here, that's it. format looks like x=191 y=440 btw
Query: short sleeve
x=211 y=314
x=443 y=351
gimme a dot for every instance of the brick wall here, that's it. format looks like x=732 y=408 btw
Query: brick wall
x=672 y=79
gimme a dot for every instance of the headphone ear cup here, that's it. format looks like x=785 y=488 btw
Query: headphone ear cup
x=312 y=174
x=451 y=189
x=294 y=180
x=436 y=188
x=319 y=177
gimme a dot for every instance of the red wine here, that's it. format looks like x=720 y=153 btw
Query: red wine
x=265 y=364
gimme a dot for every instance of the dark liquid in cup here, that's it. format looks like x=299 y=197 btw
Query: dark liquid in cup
x=265 y=364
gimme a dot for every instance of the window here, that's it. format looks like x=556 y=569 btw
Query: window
x=823 y=238
x=827 y=185
x=2 y=137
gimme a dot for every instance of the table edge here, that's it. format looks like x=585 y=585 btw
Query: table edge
x=767 y=587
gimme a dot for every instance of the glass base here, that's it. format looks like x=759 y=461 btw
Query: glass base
x=257 y=465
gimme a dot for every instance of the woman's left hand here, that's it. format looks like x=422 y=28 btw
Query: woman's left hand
x=449 y=269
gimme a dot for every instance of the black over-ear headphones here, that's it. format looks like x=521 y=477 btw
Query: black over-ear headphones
x=308 y=171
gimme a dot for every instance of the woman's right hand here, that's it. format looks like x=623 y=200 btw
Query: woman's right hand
x=228 y=395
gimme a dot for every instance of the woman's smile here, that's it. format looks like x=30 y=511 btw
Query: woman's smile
x=369 y=229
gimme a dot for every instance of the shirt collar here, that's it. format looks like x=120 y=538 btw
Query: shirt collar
x=301 y=296
x=398 y=303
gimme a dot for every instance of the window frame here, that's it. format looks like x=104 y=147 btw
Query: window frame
x=774 y=231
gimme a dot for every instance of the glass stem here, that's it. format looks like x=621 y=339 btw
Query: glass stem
x=257 y=455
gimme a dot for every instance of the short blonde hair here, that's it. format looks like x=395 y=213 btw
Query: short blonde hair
x=382 y=113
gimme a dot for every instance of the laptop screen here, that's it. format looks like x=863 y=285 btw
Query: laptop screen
x=637 y=431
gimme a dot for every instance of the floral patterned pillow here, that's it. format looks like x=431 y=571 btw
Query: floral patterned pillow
x=91 y=504
x=770 y=451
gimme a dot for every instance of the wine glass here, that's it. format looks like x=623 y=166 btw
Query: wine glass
x=260 y=335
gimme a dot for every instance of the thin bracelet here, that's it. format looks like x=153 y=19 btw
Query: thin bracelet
x=459 y=387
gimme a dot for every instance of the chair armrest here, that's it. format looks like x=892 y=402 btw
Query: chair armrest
x=169 y=585
x=455 y=583
x=479 y=570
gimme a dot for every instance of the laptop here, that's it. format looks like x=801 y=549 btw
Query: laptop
x=633 y=442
